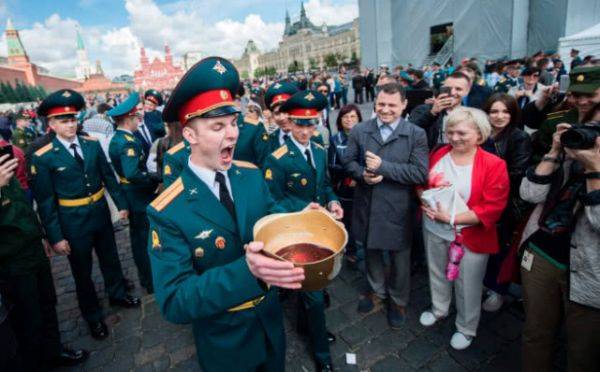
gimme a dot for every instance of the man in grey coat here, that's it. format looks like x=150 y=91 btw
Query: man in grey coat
x=387 y=156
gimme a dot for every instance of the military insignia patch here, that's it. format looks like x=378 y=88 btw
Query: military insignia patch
x=155 y=240
x=309 y=97
x=303 y=182
x=204 y=234
x=199 y=252
x=269 y=174
x=220 y=242
x=265 y=137
x=219 y=68
x=130 y=152
x=580 y=78
x=61 y=169
x=33 y=171
x=167 y=170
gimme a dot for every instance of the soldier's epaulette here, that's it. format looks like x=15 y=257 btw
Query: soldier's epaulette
x=280 y=152
x=502 y=79
x=318 y=145
x=251 y=121
x=556 y=114
x=175 y=148
x=129 y=138
x=43 y=150
x=245 y=164
x=167 y=196
x=90 y=138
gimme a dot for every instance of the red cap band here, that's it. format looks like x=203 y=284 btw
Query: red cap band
x=303 y=113
x=61 y=110
x=203 y=103
x=152 y=99
x=280 y=98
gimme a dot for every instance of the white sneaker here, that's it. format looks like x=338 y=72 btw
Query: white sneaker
x=460 y=341
x=427 y=319
x=493 y=302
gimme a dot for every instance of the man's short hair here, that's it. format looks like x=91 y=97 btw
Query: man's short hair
x=474 y=116
x=459 y=75
x=393 y=88
x=103 y=107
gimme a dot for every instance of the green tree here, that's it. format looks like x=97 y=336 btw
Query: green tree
x=331 y=60
x=8 y=92
x=313 y=63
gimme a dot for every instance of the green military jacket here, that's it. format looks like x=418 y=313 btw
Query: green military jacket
x=200 y=272
x=274 y=141
x=57 y=177
x=20 y=246
x=542 y=139
x=174 y=161
x=129 y=161
x=293 y=183
x=22 y=138
x=253 y=141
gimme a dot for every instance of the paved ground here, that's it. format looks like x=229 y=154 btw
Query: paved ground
x=141 y=340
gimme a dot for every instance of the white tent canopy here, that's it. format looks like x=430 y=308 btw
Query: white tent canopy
x=586 y=41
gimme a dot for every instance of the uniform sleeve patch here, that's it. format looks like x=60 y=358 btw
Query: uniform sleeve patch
x=167 y=170
x=155 y=240
x=269 y=174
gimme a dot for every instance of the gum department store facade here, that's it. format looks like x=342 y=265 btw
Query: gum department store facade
x=303 y=42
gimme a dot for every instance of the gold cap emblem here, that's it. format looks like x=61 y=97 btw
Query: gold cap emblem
x=224 y=95
x=309 y=97
x=219 y=68
x=66 y=94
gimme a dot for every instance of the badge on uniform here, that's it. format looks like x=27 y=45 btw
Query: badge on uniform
x=527 y=260
x=269 y=175
x=265 y=137
x=155 y=240
x=33 y=171
x=167 y=170
x=61 y=169
x=204 y=234
x=199 y=252
x=220 y=242
x=303 y=182
x=130 y=152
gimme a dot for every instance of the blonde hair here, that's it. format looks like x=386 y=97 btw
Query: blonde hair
x=474 y=116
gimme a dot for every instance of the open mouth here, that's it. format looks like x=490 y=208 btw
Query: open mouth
x=227 y=154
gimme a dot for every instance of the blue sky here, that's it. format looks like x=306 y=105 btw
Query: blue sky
x=113 y=30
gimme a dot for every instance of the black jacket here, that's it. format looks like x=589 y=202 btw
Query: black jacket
x=340 y=178
x=358 y=82
x=478 y=95
x=432 y=124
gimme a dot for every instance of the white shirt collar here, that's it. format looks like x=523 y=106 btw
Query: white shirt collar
x=281 y=134
x=68 y=144
x=393 y=125
x=208 y=177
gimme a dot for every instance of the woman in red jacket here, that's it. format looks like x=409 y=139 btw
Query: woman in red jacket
x=481 y=181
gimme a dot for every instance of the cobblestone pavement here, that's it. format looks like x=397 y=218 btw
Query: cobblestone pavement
x=141 y=340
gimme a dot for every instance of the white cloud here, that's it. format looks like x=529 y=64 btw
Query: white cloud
x=183 y=27
x=324 y=11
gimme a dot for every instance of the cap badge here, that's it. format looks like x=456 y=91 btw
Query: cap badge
x=66 y=94
x=307 y=112
x=219 y=68
x=309 y=97
x=277 y=86
x=580 y=78
x=224 y=95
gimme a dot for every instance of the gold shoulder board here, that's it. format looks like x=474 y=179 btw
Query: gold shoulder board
x=43 y=150
x=280 y=152
x=245 y=164
x=175 y=148
x=167 y=196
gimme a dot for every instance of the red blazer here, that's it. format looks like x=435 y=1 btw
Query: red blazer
x=489 y=195
x=20 y=172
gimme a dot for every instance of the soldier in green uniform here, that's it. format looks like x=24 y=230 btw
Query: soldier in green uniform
x=152 y=116
x=26 y=268
x=253 y=141
x=127 y=157
x=174 y=161
x=69 y=178
x=207 y=270
x=510 y=78
x=23 y=134
x=584 y=90
x=297 y=174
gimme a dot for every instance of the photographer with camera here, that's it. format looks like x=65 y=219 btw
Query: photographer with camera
x=560 y=268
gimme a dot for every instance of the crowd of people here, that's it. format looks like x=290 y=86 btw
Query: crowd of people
x=486 y=174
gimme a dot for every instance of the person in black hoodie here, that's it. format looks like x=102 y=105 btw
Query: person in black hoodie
x=514 y=146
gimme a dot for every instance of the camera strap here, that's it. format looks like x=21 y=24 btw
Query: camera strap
x=592 y=175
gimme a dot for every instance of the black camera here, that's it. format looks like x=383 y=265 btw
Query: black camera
x=580 y=136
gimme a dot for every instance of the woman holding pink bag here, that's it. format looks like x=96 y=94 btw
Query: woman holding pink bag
x=468 y=190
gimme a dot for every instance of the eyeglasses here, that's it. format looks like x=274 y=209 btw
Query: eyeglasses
x=322 y=91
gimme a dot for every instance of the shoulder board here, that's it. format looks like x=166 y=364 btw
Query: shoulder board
x=316 y=133
x=167 y=196
x=129 y=138
x=251 y=121
x=556 y=114
x=244 y=164
x=175 y=148
x=90 y=138
x=502 y=79
x=43 y=150
x=318 y=145
x=280 y=152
